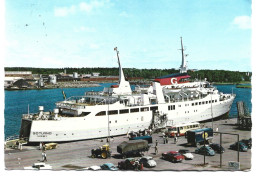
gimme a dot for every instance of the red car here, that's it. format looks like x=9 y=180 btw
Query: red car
x=173 y=156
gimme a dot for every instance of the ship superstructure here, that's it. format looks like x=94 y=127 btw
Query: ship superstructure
x=115 y=112
x=180 y=80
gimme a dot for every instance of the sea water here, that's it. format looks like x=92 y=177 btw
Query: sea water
x=23 y=101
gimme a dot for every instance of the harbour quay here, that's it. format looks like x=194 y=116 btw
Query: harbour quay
x=77 y=155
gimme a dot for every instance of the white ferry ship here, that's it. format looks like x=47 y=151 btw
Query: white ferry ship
x=117 y=111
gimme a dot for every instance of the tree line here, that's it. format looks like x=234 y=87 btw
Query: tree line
x=211 y=75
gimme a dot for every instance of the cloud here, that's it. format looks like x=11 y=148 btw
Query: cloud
x=88 y=7
x=242 y=22
x=83 y=7
x=64 y=11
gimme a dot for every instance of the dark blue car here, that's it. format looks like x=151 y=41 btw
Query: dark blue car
x=205 y=150
x=242 y=146
x=217 y=148
x=247 y=142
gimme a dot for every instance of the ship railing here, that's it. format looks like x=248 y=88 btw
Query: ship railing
x=92 y=93
x=28 y=116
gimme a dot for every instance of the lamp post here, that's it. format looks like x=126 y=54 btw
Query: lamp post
x=108 y=123
x=211 y=112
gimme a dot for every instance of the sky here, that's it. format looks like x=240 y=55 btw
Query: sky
x=83 y=33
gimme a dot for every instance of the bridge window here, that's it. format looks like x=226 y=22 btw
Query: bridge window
x=101 y=113
x=84 y=113
x=123 y=111
x=134 y=110
x=146 y=109
x=113 y=112
x=154 y=108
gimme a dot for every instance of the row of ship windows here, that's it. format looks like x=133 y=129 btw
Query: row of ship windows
x=204 y=102
x=125 y=111
x=172 y=107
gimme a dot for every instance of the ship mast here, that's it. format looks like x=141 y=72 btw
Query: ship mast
x=183 y=67
x=121 y=73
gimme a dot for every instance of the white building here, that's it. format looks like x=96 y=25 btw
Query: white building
x=53 y=79
x=95 y=74
x=18 y=72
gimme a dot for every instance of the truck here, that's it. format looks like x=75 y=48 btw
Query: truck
x=148 y=138
x=196 y=137
x=132 y=148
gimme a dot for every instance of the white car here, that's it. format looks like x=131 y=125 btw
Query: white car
x=94 y=168
x=186 y=153
x=147 y=161
x=39 y=166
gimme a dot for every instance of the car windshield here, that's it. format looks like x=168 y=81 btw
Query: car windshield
x=176 y=154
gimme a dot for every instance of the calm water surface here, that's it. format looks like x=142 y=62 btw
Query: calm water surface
x=16 y=102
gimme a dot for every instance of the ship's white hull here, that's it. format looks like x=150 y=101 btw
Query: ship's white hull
x=91 y=126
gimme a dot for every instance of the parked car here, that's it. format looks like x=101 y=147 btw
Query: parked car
x=217 y=148
x=94 y=168
x=242 y=146
x=186 y=153
x=205 y=150
x=147 y=161
x=129 y=164
x=109 y=166
x=39 y=166
x=173 y=156
x=247 y=142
